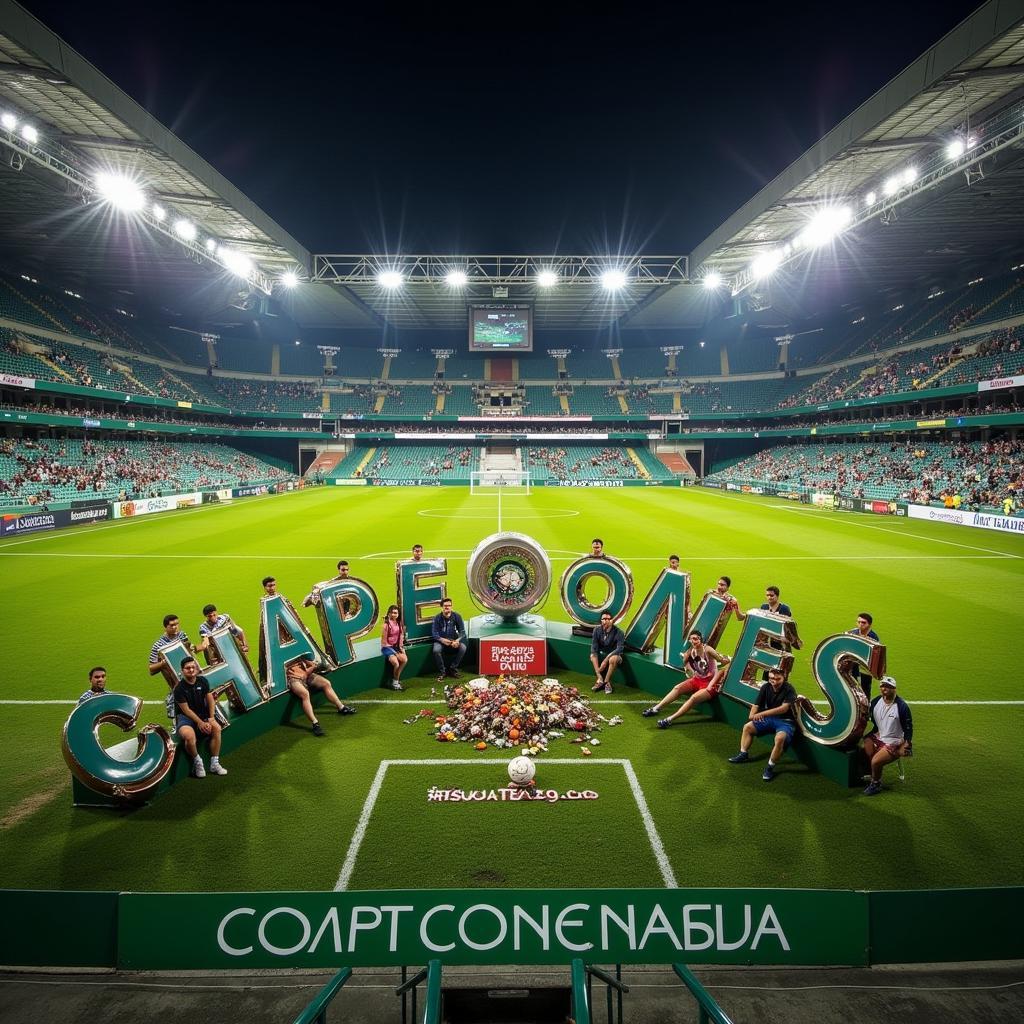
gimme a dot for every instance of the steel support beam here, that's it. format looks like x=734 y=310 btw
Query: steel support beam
x=499 y=270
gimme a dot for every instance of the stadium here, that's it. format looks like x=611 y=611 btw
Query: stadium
x=223 y=447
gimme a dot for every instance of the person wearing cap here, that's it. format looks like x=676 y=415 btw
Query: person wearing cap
x=891 y=733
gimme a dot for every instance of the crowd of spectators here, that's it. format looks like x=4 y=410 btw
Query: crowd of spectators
x=264 y=396
x=961 y=474
x=134 y=470
x=565 y=464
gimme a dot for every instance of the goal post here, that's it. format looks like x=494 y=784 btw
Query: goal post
x=506 y=481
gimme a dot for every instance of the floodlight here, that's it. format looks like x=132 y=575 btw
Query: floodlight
x=891 y=186
x=712 y=280
x=120 y=191
x=767 y=263
x=457 y=278
x=390 y=279
x=613 y=280
x=8 y=120
x=702 y=344
x=289 y=279
x=825 y=225
x=237 y=262
x=159 y=212
x=547 y=279
x=869 y=199
x=910 y=175
x=185 y=229
x=955 y=149
x=211 y=245
x=29 y=134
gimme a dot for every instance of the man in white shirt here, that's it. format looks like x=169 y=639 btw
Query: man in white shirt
x=891 y=735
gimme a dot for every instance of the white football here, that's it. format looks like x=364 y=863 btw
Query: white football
x=521 y=770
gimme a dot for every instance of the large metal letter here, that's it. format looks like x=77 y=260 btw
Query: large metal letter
x=347 y=610
x=667 y=604
x=753 y=653
x=616 y=575
x=284 y=638
x=93 y=766
x=228 y=671
x=836 y=665
x=413 y=598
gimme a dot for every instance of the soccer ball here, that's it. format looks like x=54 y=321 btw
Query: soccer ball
x=521 y=770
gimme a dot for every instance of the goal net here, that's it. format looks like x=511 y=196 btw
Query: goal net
x=507 y=481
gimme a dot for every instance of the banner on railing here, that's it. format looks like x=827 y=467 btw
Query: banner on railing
x=146 y=506
x=960 y=517
x=318 y=930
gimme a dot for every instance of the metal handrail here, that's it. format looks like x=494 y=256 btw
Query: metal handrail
x=432 y=975
x=432 y=1011
x=611 y=983
x=580 y=993
x=710 y=1011
x=316 y=1011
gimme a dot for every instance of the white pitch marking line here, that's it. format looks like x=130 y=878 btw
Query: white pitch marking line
x=158 y=517
x=880 y=529
x=360 y=833
x=660 y=856
x=558 y=558
x=657 y=847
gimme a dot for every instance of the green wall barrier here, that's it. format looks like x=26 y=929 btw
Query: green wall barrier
x=950 y=924
x=250 y=931
x=491 y=926
x=58 y=929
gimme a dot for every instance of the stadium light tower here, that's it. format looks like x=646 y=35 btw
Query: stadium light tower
x=390 y=279
x=766 y=264
x=237 y=262
x=712 y=280
x=547 y=279
x=121 y=191
x=289 y=279
x=457 y=279
x=612 y=280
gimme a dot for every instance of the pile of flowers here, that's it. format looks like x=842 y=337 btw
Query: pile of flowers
x=515 y=712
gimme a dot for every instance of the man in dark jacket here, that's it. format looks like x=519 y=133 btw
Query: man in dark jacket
x=891 y=733
x=606 y=652
x=448 y=632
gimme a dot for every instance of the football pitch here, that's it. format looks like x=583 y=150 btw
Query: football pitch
x=354 y=810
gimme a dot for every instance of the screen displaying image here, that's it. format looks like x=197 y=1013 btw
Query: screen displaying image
x=501 y=328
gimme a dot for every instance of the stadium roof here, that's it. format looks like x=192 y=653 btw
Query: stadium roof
x=89 y=124
x=971 y=82
x=969 y=85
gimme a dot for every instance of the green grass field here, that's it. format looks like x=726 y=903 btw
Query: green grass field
x=946 y=601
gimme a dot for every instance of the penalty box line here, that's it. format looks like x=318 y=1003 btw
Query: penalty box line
x=657 y=847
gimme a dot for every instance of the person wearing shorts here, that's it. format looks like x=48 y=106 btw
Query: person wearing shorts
x=302 y=678
x=703 y=682
x=891 y=735
x=392 y=646
x=195 y=717
x=771 y=714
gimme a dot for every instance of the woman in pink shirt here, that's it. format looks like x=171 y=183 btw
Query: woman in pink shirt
x=392 y=646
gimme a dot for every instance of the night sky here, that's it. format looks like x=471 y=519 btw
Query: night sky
x=499 y=130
